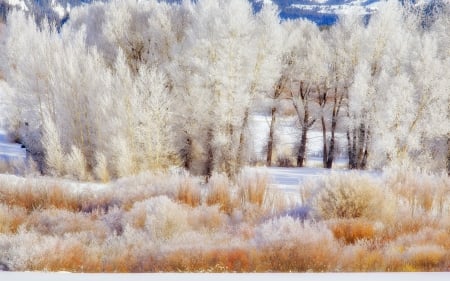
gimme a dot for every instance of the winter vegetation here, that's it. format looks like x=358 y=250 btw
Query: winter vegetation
x=130 y=86
x=138 y=120
x=176 y=223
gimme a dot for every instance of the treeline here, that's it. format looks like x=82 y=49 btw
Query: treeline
x=128 y=86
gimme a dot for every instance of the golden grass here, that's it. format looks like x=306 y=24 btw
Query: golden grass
x=219 y=193
x=237 y=227
x=11 y=217
x=189 y=193
x=253 y=189
x=352 y=230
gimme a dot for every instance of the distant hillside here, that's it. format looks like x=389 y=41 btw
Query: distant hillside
x=323 y=12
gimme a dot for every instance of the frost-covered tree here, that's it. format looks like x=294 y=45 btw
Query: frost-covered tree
x=219 y=73
x=72 y=104
x=306 y=68
x=267 y=73
x=399 y=94
x=345 y=46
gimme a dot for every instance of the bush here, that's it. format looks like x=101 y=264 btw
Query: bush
x=189 y=193
x=253 y=187
x=350 y=196
x=219 y=193
x=352 y=230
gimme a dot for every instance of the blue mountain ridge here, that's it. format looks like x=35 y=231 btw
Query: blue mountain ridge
x=322 y=12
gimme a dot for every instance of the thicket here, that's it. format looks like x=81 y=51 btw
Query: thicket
x=177 y=223
x=130 y=86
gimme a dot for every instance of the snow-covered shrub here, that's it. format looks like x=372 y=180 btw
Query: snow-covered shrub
x=361 y=256
x=287 y=244
x=253 y=187
x=59 y=222
x=351 y=196
x=11 y=217
x=420 y=190
x=164 y=218
x=76 y=165
x=207 y=218
x=220 y=192
x=189 y=192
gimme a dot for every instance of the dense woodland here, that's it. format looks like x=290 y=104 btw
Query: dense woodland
x=129 y=86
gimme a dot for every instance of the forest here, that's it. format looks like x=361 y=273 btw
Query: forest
x=131 y=86
x=137 y=118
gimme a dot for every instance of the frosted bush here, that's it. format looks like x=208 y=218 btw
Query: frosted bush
x=350 y=196
x=76 y=165
x=420 y=190
x=165 y=218
x=59 y=222
x=290 y=229
x=11 y=217
x=425 y=256
x=114 y=220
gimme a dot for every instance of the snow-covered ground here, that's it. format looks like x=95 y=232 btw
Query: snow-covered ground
x=287 y=136
x=9 y=152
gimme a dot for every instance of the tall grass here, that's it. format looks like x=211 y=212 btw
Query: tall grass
x=157 y=222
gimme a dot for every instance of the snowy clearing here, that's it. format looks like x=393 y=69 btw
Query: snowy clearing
x=10 y=151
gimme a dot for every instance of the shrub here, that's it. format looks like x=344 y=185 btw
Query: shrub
x=350 y=196
x=11 y=217
x=189 y=193
x=253 y=187
x=352 y=230
x=219 y=193
x=425 y=257
x=422 y=191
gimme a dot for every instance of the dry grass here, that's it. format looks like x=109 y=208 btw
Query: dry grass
x=220 y=193
x=352 y=230
x=253 y=188
x=189 y=193
x=11 y=217
x=151 y=223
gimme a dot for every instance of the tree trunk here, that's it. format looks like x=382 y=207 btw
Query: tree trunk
x=350 y=151
x=270 y=142
x=229 y=156
x=330 y=157
x=361 y=144
x=241 y=150
x=302 y=149
x=324 y=138
x=210 y=154
x=186 y=154
x=358 y=144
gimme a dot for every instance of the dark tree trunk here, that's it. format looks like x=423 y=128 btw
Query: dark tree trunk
x=270 y=142
x=302 y=149
x=242 y=140
x=350 y=151
x=187 y=154
x=229 y=157
x=324 y=139
x=330 y=157
x=210 y=154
